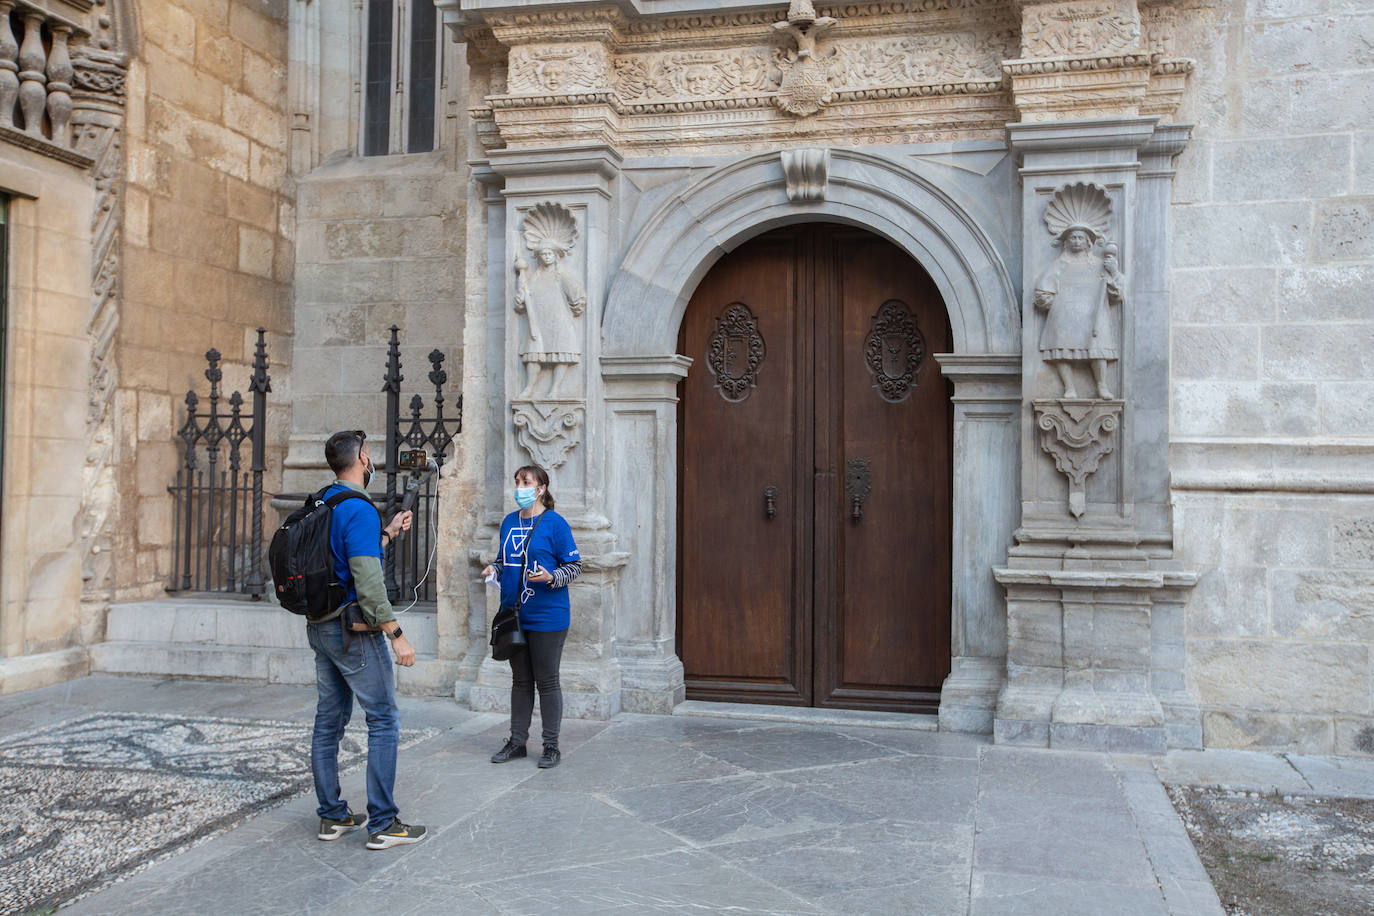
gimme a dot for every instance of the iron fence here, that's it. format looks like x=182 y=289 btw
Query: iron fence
x=217 y=507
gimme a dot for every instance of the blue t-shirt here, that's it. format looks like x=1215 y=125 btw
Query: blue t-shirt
x=354 y=531
x=545 y=609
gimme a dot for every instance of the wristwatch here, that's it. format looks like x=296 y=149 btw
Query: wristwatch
x=395 y=634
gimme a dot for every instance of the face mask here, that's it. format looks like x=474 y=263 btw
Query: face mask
x=368 y=473
x=524 y=497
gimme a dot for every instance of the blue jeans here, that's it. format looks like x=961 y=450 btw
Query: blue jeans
x=365 y=672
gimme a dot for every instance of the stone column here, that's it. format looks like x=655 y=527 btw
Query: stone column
x=547 y=393
x=641 y=449
x=987 y=401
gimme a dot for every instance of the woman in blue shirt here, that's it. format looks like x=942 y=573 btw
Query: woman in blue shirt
x=544 y=536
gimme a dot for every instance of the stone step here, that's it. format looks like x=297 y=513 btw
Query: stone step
x=239 y=640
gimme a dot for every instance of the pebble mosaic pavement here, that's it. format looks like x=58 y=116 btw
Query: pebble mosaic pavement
x=90 y=800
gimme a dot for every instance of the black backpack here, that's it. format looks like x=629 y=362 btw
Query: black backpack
x=302 y=561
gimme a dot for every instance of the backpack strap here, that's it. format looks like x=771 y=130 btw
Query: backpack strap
x=337 y=498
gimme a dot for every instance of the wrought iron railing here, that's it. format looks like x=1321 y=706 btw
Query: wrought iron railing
x=217 y=514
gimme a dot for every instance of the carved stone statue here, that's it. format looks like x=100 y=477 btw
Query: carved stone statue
x=550 y=299
x=1079 y=289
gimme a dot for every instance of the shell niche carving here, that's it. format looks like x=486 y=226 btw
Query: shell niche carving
x=1080 y=205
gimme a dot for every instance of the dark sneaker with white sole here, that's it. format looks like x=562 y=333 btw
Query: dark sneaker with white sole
x=397 y=834
x=331 y=829
x=509 y=751
x=550 y=757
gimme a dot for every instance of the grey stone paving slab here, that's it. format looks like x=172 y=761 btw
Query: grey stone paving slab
x=942 y=744
x=943 y=789
x=609 y=766
x=788 y=748
x=933 y=891
x=1335 y=776
x=866 y=856
x=735 y=808
x=683 y=880
x=1034 y=772
x=998 y=894
x=1236 y=769
x=1104 y=850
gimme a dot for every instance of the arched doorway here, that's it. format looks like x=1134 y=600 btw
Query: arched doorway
x=814 y=507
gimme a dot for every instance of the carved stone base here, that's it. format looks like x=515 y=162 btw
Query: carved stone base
x=651 y=678
x=1095 y=661
x=549 y=429
x=968 y=698
x=1077 y=433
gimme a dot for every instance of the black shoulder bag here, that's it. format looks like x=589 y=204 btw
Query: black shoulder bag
x=507 y=636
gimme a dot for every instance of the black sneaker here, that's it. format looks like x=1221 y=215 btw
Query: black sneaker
x=509 y=751
x=397 y=834
x=331 y=829
x=550 y=757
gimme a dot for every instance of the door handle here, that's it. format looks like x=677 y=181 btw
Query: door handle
x=858 y=483
x=770 y=500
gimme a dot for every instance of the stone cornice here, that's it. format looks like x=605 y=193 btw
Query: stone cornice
x=45 y=147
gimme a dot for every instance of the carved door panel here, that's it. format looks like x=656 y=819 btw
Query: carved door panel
x=882 y=616
x=743 y=572
x=814 y=505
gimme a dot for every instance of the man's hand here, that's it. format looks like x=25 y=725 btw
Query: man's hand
x=401 y=521
x=405 y=652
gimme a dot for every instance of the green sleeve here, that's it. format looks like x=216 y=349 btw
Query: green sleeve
x=371 y=589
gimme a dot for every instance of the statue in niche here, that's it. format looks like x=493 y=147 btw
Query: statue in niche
x=550 y=299
x=1078 y=291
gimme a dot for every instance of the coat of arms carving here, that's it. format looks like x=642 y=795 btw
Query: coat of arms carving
x=805 y=86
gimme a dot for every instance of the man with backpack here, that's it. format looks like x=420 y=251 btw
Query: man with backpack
x=350 y=642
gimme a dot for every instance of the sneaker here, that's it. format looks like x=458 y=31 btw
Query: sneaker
x=550 y=757
x=331 y=829
x=397 y=834
x=509 y=751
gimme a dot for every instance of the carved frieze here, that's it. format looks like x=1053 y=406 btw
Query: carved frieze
x=557 y=69
x=1077 y=434
x=548 y=429
x=1080 y=29
x=693 y=75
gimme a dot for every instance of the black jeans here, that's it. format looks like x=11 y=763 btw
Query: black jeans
x=538 y=664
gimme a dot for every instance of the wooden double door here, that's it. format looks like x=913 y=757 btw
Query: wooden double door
x=814 y=476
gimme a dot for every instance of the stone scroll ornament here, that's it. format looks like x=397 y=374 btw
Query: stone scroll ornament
x=550 y=299
x=805 y=86
x=1077 y=435
x=548 y=431
x=735 y=351
x=1079 y=291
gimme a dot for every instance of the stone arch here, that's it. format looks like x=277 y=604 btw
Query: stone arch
x=648 y=295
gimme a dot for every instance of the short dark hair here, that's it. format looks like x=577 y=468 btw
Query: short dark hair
x=540 y=475
x=342 y=449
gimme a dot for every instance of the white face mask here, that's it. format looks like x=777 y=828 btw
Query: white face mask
x=369 y=472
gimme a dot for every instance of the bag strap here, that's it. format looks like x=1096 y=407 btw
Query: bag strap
x=525 y=557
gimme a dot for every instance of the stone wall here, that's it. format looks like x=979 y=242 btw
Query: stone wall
x=1272 y=443
x=208 y=250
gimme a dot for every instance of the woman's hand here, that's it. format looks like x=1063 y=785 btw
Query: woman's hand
x=488 y=572
x=540 y=575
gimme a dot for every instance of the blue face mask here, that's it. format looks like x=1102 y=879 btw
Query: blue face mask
x=524 y=497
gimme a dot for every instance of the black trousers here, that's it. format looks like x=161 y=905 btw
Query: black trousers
x=537 y=665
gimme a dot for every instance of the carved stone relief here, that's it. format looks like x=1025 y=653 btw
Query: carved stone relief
x=1081 y=288
x=894 y=351
x=548 y=430
x=1080 y=29
x=807 y=174
x=804 y=88
x=692 y=75
x=735 y=351
x=1077 y=434
x=557 y=69
x=550 y=298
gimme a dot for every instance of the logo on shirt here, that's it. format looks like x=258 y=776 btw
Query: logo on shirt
x=515 y=545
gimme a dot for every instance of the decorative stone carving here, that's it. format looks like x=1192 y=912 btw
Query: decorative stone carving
x=1079 y=29
x=921 y=59
x=549 y=429
x=1078 y=290
x=1077 y=434
x=558 y=69
x=549 y=297
x=804 y=88
x=1158 y=23
x=735 y=351
x=894 y=351
x=807 y=173
x=692 y=75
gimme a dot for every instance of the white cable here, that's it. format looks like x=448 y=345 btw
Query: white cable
x=429 y=564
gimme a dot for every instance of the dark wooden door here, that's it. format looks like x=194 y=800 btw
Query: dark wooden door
x=814 y=505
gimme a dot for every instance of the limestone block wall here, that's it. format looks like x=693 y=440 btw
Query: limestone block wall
x=208 y=246
x=45 y=405
x=1272 y=412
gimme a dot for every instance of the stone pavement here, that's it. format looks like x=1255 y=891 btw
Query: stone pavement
x=673 y=813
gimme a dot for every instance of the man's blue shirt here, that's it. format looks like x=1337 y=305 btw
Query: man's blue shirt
x=354 y=531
